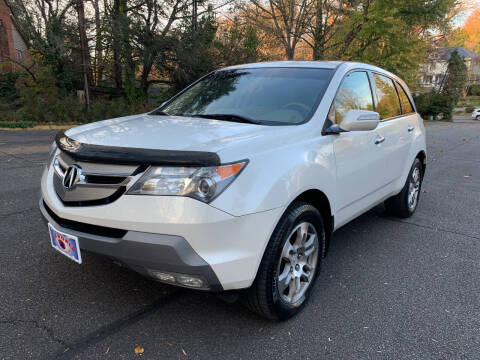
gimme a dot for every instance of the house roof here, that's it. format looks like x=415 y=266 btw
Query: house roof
x=446 y=52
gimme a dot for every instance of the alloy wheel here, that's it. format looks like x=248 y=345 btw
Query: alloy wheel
x=298 y=262
x=414 y=189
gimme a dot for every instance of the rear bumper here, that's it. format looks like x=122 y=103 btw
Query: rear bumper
x=141 y=251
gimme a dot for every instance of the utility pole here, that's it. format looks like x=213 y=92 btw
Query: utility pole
x=84 y=51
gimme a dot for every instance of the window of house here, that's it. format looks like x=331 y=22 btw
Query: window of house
x=19 y=55
x=353 y=94
x=388 y=104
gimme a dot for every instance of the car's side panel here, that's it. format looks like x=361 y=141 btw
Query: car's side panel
x=359 y=177
x=418 y=144
x=276 y=174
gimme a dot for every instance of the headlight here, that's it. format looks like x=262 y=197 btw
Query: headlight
x=51 y=154
x=203 y=184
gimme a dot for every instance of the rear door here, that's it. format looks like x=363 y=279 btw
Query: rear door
x=359 y=160
x=393 y=128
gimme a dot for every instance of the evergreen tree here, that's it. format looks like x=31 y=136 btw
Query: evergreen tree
x=455 y=78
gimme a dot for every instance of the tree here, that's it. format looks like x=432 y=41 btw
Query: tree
x=287 y=20
x=472 y=28
x=455 y=78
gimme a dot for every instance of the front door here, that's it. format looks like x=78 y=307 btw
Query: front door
x=360 y=155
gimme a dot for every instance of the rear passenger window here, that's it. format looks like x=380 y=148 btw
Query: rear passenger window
x=353 y=94
x=406 y=106
x=388 y=104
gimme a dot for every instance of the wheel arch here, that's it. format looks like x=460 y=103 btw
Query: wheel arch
x=422 y=156
x=319 y=200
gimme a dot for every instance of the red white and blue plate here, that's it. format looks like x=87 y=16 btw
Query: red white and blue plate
x=65 y=244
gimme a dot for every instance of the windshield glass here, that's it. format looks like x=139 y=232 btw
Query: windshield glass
x=271 y=96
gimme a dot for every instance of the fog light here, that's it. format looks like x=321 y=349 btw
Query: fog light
x=163 y=276
x=191 y=281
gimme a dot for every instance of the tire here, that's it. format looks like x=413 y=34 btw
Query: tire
x=478 y=117
x=400 y=205
x=265 y=297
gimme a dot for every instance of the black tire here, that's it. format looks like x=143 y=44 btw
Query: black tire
x=478 y=117
x=263 y=297
x=398 y=205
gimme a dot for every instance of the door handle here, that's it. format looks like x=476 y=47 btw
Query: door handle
x=379 y=140
x=410 y=128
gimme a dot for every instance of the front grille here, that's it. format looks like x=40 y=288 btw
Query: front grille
x=92 y=183
x=85 y=228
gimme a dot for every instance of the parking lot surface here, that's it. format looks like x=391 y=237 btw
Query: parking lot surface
x=389 y=289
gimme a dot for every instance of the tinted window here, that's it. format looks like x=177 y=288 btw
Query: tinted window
x=388 y=104
x=353 y=94
x=266 y=95
x=406 y=106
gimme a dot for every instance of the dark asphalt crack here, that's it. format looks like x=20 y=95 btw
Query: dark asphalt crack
x=430 y=227
x=36 y=324
x=22 y=158
x=18 y=212
x=114 y=327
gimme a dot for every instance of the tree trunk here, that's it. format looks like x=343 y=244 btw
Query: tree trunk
x=98 y=45
x=87 y=76
x=117 y=35
x=318 y=36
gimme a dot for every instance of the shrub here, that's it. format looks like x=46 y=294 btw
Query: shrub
x=16 y=124
x=469 y=109
x=474 y=90
x=434 y=104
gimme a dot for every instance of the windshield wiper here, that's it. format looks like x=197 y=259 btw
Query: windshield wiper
x=159 y=112
x=227 y=117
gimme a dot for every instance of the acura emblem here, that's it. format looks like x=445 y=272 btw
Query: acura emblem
x=73 y=176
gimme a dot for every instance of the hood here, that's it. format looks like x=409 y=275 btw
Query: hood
x=167 y=133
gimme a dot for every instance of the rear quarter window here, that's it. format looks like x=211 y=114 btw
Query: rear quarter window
x=404 y=100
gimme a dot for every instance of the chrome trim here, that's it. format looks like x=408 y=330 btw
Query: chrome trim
x=84 y=176
x=81 y=183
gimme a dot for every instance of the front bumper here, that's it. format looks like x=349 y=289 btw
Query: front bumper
x=141 y=251
x=169 y=233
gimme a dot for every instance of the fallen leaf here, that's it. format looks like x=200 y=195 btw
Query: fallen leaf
x=66 y=350
x=425 y=191
x=184 y=352
x=464 y=139
x=108 y=350
x=434 y=340
x=138 y=350
x=169 y=344
x=467 y=176
x=441 y=150
x=329 y=340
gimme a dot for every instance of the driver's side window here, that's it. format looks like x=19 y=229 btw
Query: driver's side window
x=354 y=93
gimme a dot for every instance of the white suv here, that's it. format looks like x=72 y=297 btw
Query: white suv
x=476 y=114
x=239 y=181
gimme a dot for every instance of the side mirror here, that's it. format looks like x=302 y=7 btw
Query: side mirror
x=360 y=120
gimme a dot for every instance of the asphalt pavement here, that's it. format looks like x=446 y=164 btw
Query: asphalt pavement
x=389 y=289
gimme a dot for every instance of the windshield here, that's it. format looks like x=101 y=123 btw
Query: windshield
x=270 y=96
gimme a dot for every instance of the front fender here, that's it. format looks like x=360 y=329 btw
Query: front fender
x=273 y=178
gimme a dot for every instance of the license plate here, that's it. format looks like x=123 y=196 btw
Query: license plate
x=66 y=244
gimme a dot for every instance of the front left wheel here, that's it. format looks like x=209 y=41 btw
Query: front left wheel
x=290 y=264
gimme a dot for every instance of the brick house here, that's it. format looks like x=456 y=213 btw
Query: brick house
x=12 y=44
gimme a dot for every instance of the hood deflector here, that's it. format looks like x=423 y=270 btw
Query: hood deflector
x=133 y=156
